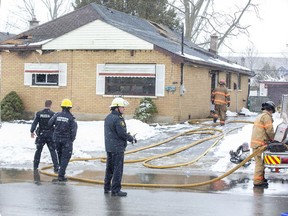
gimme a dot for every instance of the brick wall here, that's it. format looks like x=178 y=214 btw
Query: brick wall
x=81 y=84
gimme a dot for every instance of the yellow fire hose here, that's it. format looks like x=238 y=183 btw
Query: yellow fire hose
x=149 y=159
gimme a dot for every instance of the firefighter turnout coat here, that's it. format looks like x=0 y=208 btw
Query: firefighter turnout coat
x=262 y=133
x=263 y=130
x=220 y=96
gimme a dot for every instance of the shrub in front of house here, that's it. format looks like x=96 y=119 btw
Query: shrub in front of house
x=11 y=107
x=146 y=110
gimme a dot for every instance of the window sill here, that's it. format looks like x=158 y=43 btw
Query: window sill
x=128 y=96
x=43 y=86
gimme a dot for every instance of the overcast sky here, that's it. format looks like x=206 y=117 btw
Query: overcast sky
x=269 y=35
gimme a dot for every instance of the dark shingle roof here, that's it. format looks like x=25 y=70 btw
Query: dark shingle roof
x=163 y=38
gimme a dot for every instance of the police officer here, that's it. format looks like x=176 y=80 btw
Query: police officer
x=220 y=98
x=44 y=135
x=116 y=138
x=64 y=134
x=262 y=133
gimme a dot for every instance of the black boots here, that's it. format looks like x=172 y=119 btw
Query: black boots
x=120 y=193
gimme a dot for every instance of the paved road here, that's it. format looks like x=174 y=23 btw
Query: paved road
x=21 y=196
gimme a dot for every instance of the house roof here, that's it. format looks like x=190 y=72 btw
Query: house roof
x=275 y=83
x=5 y=35
x=163 y=38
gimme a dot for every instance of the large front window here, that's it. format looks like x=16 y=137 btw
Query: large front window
x=130 y=79
x=130 y=86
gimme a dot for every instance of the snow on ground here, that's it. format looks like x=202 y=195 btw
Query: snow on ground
x=17 y=147
x=233 y=141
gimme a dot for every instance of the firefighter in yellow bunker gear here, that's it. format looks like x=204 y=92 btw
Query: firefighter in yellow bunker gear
x=262 y=133
x=221 y=100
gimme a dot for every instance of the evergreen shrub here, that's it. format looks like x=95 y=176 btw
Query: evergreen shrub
x=11 y=107
x=146 y=110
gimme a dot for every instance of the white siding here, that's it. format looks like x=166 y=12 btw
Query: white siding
x=98 y=35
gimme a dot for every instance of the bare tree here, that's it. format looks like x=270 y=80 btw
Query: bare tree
x=27 y=10
x=201 y=20
x=18 y=18
x=57 y=8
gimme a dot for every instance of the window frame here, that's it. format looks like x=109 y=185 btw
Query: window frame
x=228 y=80
x=32 y=70
x=46 y=82
x=154 y=71
x=239 y=78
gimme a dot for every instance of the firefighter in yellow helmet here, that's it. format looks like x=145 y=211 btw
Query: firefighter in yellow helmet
x=64 y=135
x=262 y=133
x=116 y=138
x=221 y=99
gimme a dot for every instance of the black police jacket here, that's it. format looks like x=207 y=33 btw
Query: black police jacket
x=41 y=119
x=115 y=132
x=65 y=126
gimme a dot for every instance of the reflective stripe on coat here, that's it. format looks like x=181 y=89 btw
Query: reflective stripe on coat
x=263 y=130
x=220 y=96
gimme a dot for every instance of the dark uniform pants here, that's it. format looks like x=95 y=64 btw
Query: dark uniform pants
x=40 y=142
x=64 y=151
x=114 y=171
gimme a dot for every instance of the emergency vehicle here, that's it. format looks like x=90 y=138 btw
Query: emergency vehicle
x=276 y=155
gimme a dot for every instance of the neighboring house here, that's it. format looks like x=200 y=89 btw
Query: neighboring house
x=94 y=54
x=273 y=90
x=5 y=35
x=282 y=71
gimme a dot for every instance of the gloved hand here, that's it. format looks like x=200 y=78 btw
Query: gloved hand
x=228 y=104
x=134 y=140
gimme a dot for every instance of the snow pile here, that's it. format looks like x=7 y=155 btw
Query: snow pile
x=17 y=147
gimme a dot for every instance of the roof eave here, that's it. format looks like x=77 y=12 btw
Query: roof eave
x=181 y=59
x=20 y=47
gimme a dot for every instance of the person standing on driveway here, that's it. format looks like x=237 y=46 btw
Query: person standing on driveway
x=64 y=135
x=44 y=135
x=116 y=138
x=262 y=133
x=221 y=99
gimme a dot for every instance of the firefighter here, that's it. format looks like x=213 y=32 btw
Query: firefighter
x=221 y=99
x=116 y=138
x=44 y=135
x=64 y=135
x=262 y=133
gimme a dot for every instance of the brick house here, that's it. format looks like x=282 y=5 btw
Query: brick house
x=94 y=53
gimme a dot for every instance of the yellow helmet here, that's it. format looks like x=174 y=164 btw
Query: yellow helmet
x=119 y=102
x=66 y=103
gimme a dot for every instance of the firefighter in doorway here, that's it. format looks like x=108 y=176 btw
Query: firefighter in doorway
x=221 y=99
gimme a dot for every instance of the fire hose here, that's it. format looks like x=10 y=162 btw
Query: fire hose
x=145 y=161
